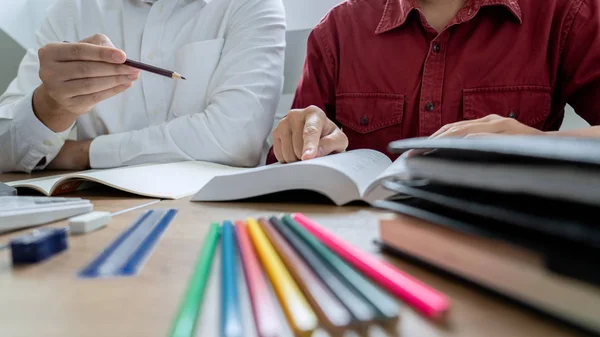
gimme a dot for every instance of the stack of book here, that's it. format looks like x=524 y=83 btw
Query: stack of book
x=515 y=215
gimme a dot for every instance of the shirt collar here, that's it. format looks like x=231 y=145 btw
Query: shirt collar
x=396 y=12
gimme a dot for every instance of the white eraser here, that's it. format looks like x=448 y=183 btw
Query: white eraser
x=86 y=223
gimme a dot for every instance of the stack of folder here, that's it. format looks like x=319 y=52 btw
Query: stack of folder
x=319 y=280
x=497 y=200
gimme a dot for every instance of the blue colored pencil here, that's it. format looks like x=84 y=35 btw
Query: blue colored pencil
x=231 y=317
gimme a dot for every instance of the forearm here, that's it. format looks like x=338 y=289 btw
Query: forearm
x=207 y=136
x=589 y=132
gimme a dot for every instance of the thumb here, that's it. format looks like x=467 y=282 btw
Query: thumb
x=333 y=143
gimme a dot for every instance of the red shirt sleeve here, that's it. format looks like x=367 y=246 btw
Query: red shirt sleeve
x=316 y=85
x=579 y=70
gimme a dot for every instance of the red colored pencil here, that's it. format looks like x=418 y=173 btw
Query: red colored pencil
x=263 y=305
x=421 y=297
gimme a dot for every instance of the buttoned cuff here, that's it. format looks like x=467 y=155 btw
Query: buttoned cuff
x=41 y=141
x=105 y=151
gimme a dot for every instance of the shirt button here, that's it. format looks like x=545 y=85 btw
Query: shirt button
x=155 y=111
x=512 y=114
x=150 y=56
x=47 y=142
x=364 y=120
x=429 y=107
x=161 y=8
x=436 y=48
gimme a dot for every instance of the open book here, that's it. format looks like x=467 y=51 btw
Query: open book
x=343 y=178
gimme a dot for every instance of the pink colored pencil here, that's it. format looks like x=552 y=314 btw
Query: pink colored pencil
x=263 y=305
x=421 y=297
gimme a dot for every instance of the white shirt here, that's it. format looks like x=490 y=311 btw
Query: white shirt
x=230 y=51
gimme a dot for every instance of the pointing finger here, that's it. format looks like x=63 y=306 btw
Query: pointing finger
x=313 y=129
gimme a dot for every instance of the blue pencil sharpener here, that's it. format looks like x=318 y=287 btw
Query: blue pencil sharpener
x=38 y=245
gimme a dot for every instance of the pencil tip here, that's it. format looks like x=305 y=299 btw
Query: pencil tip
x=183 y=78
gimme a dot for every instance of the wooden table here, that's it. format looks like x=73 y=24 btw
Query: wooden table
x=47 y=300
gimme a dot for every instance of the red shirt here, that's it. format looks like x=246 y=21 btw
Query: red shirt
x=382 y=73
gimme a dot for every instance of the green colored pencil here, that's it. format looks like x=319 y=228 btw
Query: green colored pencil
x=386 y=307
x=185 y=321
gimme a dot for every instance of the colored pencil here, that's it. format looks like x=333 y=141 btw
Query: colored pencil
x=184 y=324
x=329 y=309
x=387 y=308
x=263 y=306
x=298 y=312
x=231 y=316
x=361 y=309
x=423 y=298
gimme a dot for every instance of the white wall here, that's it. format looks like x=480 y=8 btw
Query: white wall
x=572 y=120
x=21 y=18
x=11 y=54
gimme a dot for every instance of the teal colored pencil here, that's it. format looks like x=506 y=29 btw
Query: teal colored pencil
x=184 y=324
x=231 y=316
x=386 y=307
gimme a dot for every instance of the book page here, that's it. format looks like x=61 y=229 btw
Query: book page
x=361 y=166
x=340 y=177
x=396 y=169
x=43 y=185
x=166 y=181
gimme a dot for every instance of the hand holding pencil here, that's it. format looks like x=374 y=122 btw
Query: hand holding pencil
x=77 y=76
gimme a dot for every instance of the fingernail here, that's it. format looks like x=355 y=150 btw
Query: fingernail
x=308 y=151
x=117 y=56
x=133 y=76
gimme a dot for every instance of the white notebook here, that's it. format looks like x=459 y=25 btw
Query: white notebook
x=163 y=181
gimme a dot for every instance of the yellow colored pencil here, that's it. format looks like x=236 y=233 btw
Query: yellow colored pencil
x=297 y=310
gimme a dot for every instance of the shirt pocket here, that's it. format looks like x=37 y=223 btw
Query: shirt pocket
x=197 y=62
x=370 y=120
x=529 y=105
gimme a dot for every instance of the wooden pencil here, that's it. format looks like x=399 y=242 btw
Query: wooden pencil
x=329 y=309
x=184 y=324
x=153 y=69
x=231 y=317
x=298 y=312
x=386 y=306
x=263 y=305
x=361 y=309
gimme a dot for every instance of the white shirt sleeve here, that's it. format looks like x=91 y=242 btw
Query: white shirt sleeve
x=242 y=99
x=25 y=141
